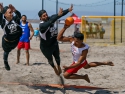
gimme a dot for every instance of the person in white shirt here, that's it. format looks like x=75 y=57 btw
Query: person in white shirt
x=79 y=51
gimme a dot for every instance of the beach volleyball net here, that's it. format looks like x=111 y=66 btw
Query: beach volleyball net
x=111 y=30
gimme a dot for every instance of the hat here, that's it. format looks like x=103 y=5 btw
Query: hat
x=41 y=12
x=5 y=9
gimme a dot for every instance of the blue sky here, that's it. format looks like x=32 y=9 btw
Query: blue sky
x=81 y=7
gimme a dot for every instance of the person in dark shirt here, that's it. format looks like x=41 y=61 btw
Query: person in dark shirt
x=12 y=30
x=48 y=37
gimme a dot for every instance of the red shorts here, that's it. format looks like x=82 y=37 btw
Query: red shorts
x=74 y=70
x=25 y=45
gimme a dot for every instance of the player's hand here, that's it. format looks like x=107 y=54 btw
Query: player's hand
x=12 y=7
x=60 y=12
x=65 y=68
x=1 y=7
x=71 y=8
x=66 y=26
x=30 y=38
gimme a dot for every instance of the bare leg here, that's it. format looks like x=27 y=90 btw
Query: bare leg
x=18 y=56
x=75 y=76
x=27 y=57
x=95 y=64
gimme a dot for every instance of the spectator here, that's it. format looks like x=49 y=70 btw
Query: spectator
x=36 y=33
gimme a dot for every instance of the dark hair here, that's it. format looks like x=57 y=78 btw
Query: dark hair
x=79 y=36
x=5 y=9
x=24 y=16
x=41 y=12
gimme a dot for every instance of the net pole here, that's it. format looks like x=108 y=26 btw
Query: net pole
x=114 y=21
x=42 y=4
x=121 y=20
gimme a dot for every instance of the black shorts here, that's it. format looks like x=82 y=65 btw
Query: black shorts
x=8 y=46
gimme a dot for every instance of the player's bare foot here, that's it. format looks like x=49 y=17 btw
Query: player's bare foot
x=109 y=63
x=87 y=78
x=26 y=64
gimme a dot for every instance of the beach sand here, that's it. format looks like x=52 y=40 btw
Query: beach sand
x=40 y=72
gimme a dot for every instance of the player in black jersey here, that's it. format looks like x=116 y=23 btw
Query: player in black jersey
x=11 y=28
x=48 y=33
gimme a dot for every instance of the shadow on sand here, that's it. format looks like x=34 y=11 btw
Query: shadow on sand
x=37 y=63
x=52 y=90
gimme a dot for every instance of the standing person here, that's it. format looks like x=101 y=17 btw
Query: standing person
x=94 y=30
x=87 y=30
x=101 y=31
x=25 y=38
x=12 y=30
x=79 y=51
x=48 y=33
x=76 y=29
x=36 y=33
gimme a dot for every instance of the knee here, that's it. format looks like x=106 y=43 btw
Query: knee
x=5 y=55
x=27 y=51
x=65 y=76
x=87 y=67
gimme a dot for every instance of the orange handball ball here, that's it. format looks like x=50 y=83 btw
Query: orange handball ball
x=69 y=21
